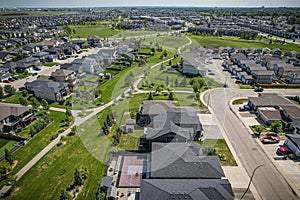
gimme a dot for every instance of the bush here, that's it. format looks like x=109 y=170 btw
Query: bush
x=291 y=156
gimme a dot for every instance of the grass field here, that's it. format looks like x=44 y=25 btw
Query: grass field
x=83 y=31
x=55 y=172
x=167 y=42
x=130 y=141
x=221 y=147
x=39 y=141
x=209 y=41
x=6 y=144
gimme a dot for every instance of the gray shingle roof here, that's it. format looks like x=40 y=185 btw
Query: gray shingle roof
x=175 y=160
x=8 y=109
x=167 y=189
x=46 y=86
x=269 y=99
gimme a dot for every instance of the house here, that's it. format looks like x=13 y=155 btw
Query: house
x=293 y=143
x=48 y=90
x=165 y=122
x=89 y=64
x=291 y=113
x=268 y=100
x=179 y=170
x=293 y=77
x=42 y=56
x=94 y=41
x=106 y=183
x=78 y=42
x=276 y=52
x=262 y=76
x=64 y=75
x=29 y=63
x=192 y=63
x=14 y=116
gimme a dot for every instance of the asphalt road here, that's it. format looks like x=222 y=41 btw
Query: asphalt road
x=269 y=183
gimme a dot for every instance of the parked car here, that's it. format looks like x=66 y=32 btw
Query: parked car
x=270 y=140
x=242 y=109
x=258 y=89
x=238 y=81
x=6 y=81
x=11 y=79
x=234 y=77
x=283 y=151
x=34 y=74
x=15 y=77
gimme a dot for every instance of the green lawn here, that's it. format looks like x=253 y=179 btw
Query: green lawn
x=13 y=98
x=83 y=31
x=167 y=42
x=39 y=141
x=130 y=141
x=220 y=147
x=210 y=41
x=50 y=64
x=296 y=102
x=55 y=172
x=6 y=144
x=239 y=101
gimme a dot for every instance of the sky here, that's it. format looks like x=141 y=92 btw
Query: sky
x=187 y=3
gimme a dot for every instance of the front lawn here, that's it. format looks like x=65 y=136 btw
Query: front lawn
x=6 y=144
x=221 y=150
x=50 y=64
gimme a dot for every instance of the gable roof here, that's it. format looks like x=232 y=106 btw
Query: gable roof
x=174 y=160
x=162 y=189
x=45 y=86
x=269 y=99
x=61 y=72
x=8 y=109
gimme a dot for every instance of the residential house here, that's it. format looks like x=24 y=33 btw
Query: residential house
x=42 y=56
x=14 y=116
x=89 y=64
x=293 y=77
x=94 y=41
x=29 y=63
x=276 y=52
x=49 y=90
x=293 y=143
x=262 y=76
x=64 y=75
x=179 y=170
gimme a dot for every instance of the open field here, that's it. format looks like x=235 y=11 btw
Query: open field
x=101 y=30
x=168 y=42
x=39 y=141
x=55 y=172
x=220 y=147
x=209 y=41
x=6 y=144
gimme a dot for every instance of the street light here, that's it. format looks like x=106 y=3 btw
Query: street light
x=251 y=179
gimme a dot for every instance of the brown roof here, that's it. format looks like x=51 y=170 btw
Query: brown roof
x=8 y=109
x=271 y=114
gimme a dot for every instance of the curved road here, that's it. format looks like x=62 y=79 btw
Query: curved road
x=269 y=183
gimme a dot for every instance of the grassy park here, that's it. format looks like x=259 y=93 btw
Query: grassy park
x=211 y=41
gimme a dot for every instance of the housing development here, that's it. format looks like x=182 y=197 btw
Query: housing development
x=150 y=103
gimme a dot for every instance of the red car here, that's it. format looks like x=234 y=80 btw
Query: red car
x=283 y=150
x=6 y=81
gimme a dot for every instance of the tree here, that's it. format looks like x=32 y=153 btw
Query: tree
x=5 y=168
x=276 y=126
x=171 y=97
x=105 y=129
x=1 y=92
x=196 y=86
x=68 y=112
x=24 y=93
x=23 y=101
x=74 y=129
x=34 y=102
x=157 y=89
x=9 y=89
x=64 y=195
x=150 y=97
x=183 y=82
x=167 y=80
x=78 y=181
x=176 y=83
x=170 y=62
x=9 y=157
x=45 y=104
x=259 y=128
x=109 y=121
